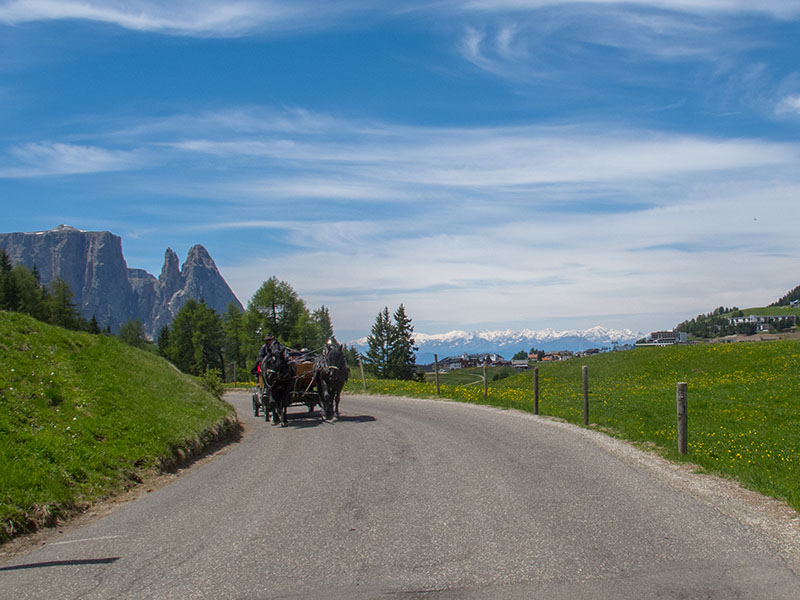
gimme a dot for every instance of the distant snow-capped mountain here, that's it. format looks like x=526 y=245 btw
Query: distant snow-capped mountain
x=508 y=342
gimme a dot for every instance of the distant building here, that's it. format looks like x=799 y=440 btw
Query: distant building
x=560 y=355
x=664 y=338
x=476 y=360
x=762 y=322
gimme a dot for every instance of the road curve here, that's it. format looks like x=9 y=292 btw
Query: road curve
x=423 y=499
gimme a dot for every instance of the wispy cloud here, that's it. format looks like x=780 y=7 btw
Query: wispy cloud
x=193 y=17
x=776 y=8
x=363 y=161
x=789 y=105
x=43 y=159
x=244 y=17
x=202 y=18
x=545 y=40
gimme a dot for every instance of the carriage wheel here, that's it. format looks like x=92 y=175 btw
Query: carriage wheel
x=256 y=404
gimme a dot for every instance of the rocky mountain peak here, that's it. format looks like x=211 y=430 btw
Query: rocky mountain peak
x=67 y=228
x=91 y=262
x=170 y=279
x=198 y=257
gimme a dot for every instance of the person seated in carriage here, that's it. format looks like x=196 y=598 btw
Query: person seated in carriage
x=266 y=348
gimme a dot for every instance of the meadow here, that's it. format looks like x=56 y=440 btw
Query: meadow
x=84 y=416
x=744 y=404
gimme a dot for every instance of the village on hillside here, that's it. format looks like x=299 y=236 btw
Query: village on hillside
x=752 y=323
x=492 y=359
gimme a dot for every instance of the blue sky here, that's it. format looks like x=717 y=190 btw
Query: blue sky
x=490 y=164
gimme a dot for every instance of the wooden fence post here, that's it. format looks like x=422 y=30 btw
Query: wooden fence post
x=585 y=395
x=681 y=396
x=536 y=390
x=485 y=382
x=436 y=371
x=363 y=377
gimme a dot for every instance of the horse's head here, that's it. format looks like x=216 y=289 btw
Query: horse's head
x=276 y=366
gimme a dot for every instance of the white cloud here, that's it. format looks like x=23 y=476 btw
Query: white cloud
x=789 y=105
x=399 y=164
x=53 y=158
x=242 y=17
x=777 y=8
x=196 y=17
x=708 y=244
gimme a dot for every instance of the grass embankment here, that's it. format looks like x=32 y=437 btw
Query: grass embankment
x=744 y=404
x=83 y=416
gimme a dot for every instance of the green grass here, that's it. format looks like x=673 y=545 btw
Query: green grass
x=82 y=416
x=744 y=404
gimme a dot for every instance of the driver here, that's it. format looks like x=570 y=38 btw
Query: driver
x=263 y=351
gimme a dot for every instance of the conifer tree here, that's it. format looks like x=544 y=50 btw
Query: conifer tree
x=401 y=356
x=163 y=341
x=132 y=333
x=93 y=326
x=379 y=342
x=61 y=309
x=8 y=293
x=322 y=317
x=391 y=346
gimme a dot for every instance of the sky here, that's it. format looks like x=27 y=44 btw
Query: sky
x=489 y=164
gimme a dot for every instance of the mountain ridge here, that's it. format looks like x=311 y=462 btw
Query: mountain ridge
x=508 y=342
x=104 y=287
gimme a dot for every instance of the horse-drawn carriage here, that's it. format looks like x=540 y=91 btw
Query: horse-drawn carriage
x=289 y=378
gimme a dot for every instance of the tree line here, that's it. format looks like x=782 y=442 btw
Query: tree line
x=21 y=290
x=200 y=340
x=789 y=297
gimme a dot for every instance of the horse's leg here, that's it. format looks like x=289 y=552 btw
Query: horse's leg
x=284 y=408
x=275 y=409
x=337 y=398
x=324 y=393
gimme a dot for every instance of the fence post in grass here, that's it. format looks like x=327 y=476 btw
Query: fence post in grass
x=436 y=371
x=485 y=382
x=585 y=395
x=683 y=426
x=363 y=377
x=536 y=390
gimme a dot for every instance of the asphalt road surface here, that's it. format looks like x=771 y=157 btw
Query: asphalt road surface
x=423 y=499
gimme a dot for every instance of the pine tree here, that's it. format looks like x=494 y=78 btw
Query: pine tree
x=402 y=359
x=391 y=346
x=322 y=317
x=31 y=298
x=8 y=293
x=235 y=344
x=60 y=306
x=163 y=341
x=94 y=326
x=132 y=333
x=379 y=342
x=194 y=341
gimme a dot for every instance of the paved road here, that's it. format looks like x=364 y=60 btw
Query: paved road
x=421 y=499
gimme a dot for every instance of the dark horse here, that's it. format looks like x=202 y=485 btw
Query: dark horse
x=278 y=373
x=332 y=368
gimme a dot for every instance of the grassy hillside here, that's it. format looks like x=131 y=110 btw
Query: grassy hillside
x=744 y=404
x=83 y=415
